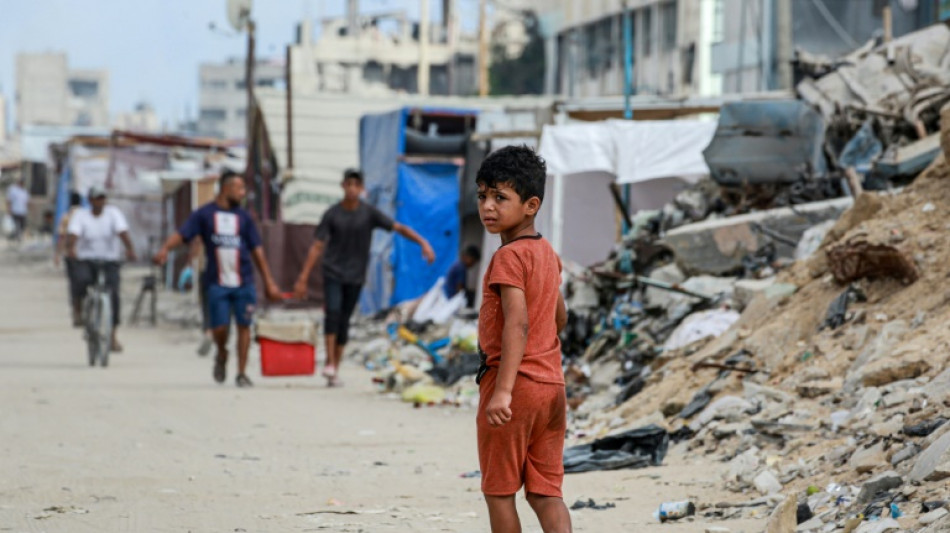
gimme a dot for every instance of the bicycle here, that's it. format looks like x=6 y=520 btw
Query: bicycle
x=97 y=316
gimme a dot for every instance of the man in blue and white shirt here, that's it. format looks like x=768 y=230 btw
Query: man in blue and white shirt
x=232 y=247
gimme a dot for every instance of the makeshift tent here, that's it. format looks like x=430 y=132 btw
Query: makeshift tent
x=411 y=160
x=657 y=159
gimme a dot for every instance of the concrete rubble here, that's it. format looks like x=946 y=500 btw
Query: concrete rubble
x=804 y=348
x=847 y=417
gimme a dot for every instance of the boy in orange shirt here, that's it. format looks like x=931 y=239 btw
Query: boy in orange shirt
x=522 y=410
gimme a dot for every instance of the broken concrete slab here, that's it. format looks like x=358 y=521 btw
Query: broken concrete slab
x=784 y=517
x=933 y=464
x=905 y=453
x=667 y=274
x=767 y=483
x=879 y=483
x=884 y=371
x=727 y=407
x=939 y=387
x=811 y=240
x=864 y=460
x=882 y=346
x=717 y=247
x=747 y=289
x=880 y=526
x=809 y=526
x=743 y=467
x=933 y=516
x=814 y=389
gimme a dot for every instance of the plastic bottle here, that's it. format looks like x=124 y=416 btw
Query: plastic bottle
x=675 y=510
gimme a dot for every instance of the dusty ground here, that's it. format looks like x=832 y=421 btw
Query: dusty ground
x=152 y=444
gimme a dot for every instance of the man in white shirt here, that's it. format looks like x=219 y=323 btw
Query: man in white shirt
x=97 y=235
x=18 y=204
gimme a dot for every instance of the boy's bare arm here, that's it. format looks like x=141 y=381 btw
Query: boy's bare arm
x=514 y=338
x=560 y=316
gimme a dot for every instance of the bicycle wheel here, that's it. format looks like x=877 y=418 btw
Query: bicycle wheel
x=90 y=321
x=104 y=328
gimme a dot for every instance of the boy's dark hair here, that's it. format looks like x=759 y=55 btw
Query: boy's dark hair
x=518 y=166
x=352 y=173
x=74 y=199
x=227 y=176
x=472 y=251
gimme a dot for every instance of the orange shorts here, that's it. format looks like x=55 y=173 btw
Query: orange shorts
x=529 y=450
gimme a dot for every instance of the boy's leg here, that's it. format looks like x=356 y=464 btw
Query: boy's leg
x=544 y=467
x=552 y=513
x=245 y=301
x=333 y=310
x=219 y=309
x=502 y=514
x=244 y=346
x=351 y=296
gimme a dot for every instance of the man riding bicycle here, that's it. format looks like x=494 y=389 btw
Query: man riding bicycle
x=93 y=239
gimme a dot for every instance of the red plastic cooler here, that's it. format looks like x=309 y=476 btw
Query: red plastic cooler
x=287 y=344
x=286 y=358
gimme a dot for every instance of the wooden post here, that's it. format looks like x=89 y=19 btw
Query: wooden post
x=854 y=181
x=888 y=24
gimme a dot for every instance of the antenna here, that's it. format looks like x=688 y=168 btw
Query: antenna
x=239 y=12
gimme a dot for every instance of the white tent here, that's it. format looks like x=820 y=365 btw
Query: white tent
x=657 y=159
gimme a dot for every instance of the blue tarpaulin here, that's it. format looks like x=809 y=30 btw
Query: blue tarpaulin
x=427 y=201
x=418 y=192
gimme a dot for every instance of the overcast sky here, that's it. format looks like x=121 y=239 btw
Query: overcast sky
x=152 y=48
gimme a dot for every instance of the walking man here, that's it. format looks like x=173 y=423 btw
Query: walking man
x=93 y=241
x=343 y=239
x=232 y=246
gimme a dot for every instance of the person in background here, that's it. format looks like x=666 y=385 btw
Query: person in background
x=196 y=255
x=457 y=276
x=343 y=239
x=75 y=203
x=18 y=205
x=96 y=235
x=232 y=248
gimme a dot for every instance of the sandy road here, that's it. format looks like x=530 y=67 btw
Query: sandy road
x=152 y=444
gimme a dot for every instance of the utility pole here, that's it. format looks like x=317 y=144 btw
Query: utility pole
x=482 y=48
x=627 y=61
x=249 y=115
x=423 y=69
x=249 y=80
x=783 y=45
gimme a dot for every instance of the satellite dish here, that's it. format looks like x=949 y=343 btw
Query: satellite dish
x=239 y=12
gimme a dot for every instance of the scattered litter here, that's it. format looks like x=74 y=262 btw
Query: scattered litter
x=636 y=448
x=669 y=511
x=591 y=504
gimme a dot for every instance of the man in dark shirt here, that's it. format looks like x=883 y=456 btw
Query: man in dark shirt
x=343 y=239
x=232 y=247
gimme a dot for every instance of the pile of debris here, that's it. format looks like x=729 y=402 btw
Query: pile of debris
x=421 y=362
x=828 y=397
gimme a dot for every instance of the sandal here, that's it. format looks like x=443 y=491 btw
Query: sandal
x=219 y=372
x=243 y=381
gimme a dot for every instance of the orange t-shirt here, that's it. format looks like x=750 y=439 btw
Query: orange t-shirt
x=529 y=264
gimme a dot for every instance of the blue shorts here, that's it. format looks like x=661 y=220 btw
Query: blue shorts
x=223 y=302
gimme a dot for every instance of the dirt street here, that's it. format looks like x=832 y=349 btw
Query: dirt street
x=152 y=444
